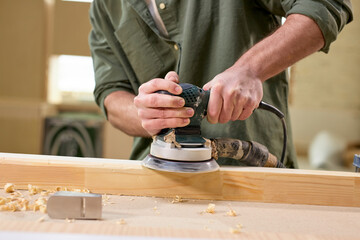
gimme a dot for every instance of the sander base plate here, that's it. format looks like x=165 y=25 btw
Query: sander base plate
x=180 y=166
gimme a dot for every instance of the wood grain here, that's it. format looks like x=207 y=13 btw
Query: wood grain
x=106 y=229
x=188 y=219
x=127 y=177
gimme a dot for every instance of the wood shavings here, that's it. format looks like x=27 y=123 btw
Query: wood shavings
x=4 y=208
x=23 y=204
x=83 y=190
x=156 y=210
x=69 y=220
x=58 y=189
x=121 y=222
x=43 y=209
x=9 y=188
x=234 y=230
x=16 y=194
x=41 y=201
x=12 y=206
x=35 y=207
x=210 y=208
x=237 y=229
x=177 y=199
x=231 y=213
x=33 y=190
x=61 y=189
x=17 y=201
x=106 y=200
x=105 y=197
x=40 y=205
x=44 y=193
x=42 y=219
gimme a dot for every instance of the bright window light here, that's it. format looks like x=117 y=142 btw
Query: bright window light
x=76 y=73
x=71 y=79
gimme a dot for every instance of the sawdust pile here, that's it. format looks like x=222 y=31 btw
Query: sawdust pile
x=16 y=201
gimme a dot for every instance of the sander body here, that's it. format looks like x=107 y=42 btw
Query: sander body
x=184 y=149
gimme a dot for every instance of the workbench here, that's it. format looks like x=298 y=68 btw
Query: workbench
x=133 y=209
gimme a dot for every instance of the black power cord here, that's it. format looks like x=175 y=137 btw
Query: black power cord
x=265 y=106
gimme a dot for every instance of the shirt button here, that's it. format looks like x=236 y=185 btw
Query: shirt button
x=162 y=6
x=176 y=47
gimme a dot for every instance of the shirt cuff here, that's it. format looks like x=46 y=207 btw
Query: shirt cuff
x=321 y=15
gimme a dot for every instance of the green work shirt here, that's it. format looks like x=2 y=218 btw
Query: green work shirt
x=205 y=37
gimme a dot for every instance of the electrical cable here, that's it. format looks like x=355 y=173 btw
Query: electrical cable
x=265 y=106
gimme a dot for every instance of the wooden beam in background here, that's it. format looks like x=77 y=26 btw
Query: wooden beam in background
x=128 y=177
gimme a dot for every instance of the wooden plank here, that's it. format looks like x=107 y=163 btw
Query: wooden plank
x=130 y=178
x=293 y=186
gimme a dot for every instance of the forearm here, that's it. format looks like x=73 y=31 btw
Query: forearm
x=237 y=91
x=297 y=38
x=122 y=113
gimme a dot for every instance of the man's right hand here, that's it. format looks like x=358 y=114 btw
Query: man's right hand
x=158 y=111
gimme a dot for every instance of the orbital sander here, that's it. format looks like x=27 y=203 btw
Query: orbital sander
x=184 y=149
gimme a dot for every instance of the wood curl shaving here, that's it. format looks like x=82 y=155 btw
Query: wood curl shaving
x=121 y=222
x=237 y=229
x=177 y=199
x=231 y=213
x=68 y=220
x=9 y=188
x=33 y=190
x=211 y=208
x=42 y=219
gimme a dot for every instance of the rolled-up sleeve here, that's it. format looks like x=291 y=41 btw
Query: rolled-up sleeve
x=330 y=15
x=109 y=73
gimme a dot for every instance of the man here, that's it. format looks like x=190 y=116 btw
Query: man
x=238 y=49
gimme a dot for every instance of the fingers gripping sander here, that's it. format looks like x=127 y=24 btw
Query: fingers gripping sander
x=183 y=149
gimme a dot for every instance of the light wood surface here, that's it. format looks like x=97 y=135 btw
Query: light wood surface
x=161 y=217
x=130 y=178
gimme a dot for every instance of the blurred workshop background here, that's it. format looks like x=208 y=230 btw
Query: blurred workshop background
x=46 y=83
